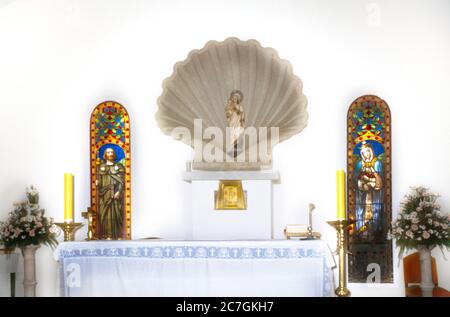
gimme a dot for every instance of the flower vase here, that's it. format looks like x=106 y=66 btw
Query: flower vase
x=426 y=281
x=29 y=280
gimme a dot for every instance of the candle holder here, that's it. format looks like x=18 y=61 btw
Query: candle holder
x=311 y=235
x=69 y=229
x=89 y=215
x=342 y=227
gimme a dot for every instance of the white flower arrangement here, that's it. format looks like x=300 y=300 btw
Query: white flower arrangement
x=420 y=223
x=27 y=225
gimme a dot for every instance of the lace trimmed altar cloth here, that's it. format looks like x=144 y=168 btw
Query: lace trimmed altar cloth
x=195 y=268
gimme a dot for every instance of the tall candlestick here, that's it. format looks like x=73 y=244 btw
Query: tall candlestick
x=68 y=197
x=342 y=227
x=340 y=191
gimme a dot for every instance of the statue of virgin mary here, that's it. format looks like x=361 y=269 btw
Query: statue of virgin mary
x=235 y=117
x=369 y=193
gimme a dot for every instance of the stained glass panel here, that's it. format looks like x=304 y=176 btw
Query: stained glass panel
x=110 y=130
x=369 y=190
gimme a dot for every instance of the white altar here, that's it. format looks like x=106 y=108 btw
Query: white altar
x=211 y=224
x=195 y=268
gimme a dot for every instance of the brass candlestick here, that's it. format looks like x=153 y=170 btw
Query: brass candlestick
x=89 y=215
x=342 y=227
x=69 y=229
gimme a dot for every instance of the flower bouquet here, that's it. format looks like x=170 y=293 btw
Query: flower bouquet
x=27 y=225
x=420 y=224
x=27 y=228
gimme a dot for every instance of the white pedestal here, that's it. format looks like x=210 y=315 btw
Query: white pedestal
x=29 y=261
x=426 y=283
x=256 y=222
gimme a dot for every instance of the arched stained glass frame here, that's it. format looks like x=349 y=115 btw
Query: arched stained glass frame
x=110 y=129
x=369 y=190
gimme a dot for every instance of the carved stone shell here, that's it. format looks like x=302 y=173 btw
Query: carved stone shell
x=201 y=85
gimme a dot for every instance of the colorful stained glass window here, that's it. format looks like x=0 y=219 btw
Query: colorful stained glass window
x=369 y=190
x=110 y=131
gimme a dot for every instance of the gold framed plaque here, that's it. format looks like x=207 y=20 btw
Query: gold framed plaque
x=230 y=196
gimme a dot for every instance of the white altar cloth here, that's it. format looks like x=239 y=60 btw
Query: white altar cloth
x=195 y=268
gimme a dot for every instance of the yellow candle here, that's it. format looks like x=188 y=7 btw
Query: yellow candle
x=340 y=191
x=68 y=197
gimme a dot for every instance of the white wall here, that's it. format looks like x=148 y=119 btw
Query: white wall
x=58 y=59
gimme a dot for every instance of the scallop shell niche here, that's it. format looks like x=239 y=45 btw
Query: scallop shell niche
x=192 y=105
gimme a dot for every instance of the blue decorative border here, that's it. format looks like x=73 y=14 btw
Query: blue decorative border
x=183 y=252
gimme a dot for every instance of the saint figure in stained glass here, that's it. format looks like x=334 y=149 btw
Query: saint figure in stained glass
x=111 y=184
x=110 y=172
x=369 y=194
x=369 y=189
